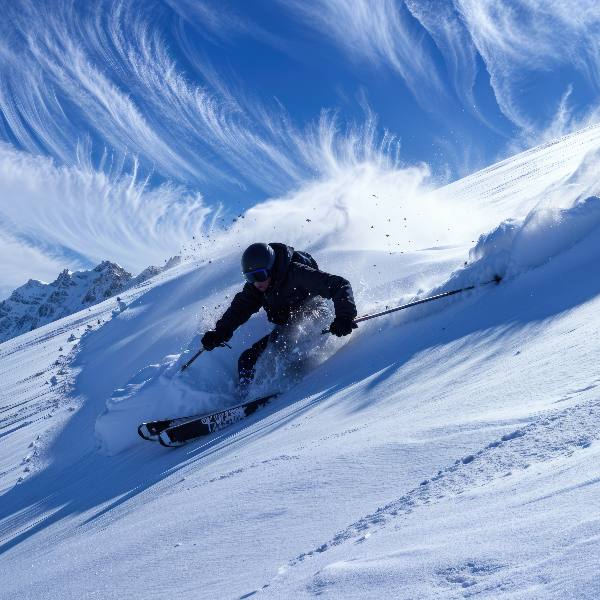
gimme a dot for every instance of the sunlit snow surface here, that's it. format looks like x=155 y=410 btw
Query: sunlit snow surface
x=443 y=452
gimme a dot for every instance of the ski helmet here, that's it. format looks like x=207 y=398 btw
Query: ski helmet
x=257 y=262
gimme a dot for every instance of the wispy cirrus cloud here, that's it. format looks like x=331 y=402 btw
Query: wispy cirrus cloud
x=59 y=87
x=564 y=121
x=54 y=217
x=105 y=76
x=75 y=217
x=511 y=39
x=448 y=31
x=109 y=76
x=220 y=22
x=377 y=32
x=525 y=36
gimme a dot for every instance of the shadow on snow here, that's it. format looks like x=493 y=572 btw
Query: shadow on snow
x=92 y=482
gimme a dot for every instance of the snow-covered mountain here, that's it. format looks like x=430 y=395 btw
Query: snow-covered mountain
x=35 y=303
x=447 y=451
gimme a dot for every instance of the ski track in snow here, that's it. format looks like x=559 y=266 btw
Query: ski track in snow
x=48 y=393
x=558 y=435
x=272 y=462
x=56 y=382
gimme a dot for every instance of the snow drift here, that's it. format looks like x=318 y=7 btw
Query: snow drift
x=518 y=245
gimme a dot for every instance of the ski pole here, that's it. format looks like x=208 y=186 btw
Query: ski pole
x=189 y=362
x=496 y=279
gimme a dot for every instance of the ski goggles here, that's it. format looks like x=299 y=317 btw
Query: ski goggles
x=257 y=276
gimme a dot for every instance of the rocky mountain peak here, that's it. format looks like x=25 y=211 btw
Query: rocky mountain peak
x=35 y=303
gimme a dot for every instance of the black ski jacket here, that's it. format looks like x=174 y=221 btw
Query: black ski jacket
x=295 y=278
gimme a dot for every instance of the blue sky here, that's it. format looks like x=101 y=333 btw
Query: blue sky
x=182 y=105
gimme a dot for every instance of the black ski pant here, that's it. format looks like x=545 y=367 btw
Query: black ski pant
x=248 y=358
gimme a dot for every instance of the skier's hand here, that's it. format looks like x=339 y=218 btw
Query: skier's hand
x=211 y=340
x=342 y=326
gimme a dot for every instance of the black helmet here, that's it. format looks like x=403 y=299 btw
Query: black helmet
x=257 y=262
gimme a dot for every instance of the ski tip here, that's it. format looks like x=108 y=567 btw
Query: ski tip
x=143 y=432
x=497 y=278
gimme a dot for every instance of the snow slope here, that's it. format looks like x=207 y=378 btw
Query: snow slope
x=447 y=451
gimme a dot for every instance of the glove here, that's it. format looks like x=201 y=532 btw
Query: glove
x=211 y=340
x=342 y=326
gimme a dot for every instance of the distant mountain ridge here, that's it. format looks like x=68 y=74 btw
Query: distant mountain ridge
x=35 y=303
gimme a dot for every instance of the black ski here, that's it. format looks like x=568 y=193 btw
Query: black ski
x=189 y=428
x=151 y=430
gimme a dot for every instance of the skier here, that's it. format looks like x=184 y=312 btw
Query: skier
x=281 y=280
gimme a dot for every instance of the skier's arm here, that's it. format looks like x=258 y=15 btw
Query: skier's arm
x=243 y=306
x=333 y=287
